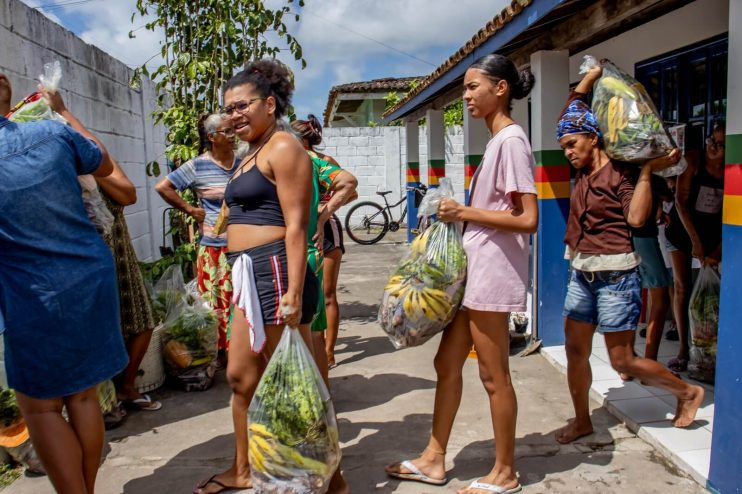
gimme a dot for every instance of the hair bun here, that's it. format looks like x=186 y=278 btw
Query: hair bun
x=525 y=83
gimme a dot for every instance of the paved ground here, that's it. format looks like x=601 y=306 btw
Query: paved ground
x=384 y=400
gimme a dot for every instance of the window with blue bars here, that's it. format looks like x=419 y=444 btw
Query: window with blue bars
x=689 y=86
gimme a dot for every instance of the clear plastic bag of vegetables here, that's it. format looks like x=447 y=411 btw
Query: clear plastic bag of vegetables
x=293 y=437
x=168 y=293
x=189 y=339
x=704 y=324
x=632 y=128
x=425 y=290
x=34 y=107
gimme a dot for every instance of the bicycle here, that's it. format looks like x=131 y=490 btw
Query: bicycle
x=367 y=222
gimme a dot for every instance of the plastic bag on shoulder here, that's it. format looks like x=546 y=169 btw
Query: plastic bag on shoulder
x=424 y=292
x=703 y=312
x=52 y=76
x=632 y=128
x=33 y=108
x=293 y=435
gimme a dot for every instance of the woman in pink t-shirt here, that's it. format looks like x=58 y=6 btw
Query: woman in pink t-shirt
x=501 y=215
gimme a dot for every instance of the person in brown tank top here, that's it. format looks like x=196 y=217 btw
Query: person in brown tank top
x=605 y=285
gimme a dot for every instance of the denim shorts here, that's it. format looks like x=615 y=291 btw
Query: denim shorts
x=609 y=299
x=653 y=270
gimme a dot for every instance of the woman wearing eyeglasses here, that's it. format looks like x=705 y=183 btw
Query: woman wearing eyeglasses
x=208 y=175
x=694 y=230
x=269 y=198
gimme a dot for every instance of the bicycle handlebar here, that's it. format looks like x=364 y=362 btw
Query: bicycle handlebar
x=421 y=188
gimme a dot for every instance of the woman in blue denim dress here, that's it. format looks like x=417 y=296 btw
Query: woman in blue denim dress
x=58 y=292
x=604 y=291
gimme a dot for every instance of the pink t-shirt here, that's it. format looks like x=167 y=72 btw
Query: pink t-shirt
x=497 y=274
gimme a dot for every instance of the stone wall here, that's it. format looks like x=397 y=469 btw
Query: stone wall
x=95 y=88
x=377 y=156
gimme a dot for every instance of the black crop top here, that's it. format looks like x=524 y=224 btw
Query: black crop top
x=253 y=200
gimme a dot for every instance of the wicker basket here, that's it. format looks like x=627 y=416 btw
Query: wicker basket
x=152 y=370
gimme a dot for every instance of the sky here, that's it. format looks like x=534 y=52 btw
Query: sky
x=342 y=40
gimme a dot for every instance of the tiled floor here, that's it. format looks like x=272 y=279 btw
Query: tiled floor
x=647 y=410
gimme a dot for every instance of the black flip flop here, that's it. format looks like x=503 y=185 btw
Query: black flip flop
x=212 y=480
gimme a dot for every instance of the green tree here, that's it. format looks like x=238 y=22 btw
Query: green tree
x=206 y=41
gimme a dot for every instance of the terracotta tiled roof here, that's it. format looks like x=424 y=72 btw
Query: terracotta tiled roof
x=490 y=29
x=374 y=86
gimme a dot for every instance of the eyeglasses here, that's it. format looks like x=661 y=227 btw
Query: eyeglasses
x=717 y=144
x=241 y=107
x=225 y=132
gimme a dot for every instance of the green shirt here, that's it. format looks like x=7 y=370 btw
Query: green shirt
x=324 y=174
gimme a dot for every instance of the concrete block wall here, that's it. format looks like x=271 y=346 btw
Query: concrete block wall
x=378 y=158
x=95 y=88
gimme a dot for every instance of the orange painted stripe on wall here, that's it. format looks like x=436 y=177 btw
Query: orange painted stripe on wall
x=552 y=190
x=732 y=214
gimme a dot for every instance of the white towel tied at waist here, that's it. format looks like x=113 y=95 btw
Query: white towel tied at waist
x=245 y=296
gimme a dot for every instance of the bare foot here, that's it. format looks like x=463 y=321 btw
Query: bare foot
x=338 y=484
x=687 y=408
x=222 y=482
x=625 y=377
x=573 y=431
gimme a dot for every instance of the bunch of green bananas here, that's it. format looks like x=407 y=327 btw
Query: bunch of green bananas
x=269 y=456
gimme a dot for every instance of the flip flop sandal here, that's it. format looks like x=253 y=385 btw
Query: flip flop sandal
x=417 y=475
x=212 y=480
x=144 y=403
x=332 y=364
x=494 y=488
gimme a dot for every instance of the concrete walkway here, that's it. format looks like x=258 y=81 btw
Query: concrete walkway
x=384 y=400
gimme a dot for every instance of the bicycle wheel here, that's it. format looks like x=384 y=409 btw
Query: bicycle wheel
x=366 y=223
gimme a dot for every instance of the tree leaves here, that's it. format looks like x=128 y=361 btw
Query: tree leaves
x=206 y=42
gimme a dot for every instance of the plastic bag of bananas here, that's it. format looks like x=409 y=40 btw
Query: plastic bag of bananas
x=632 y=128
x=426 y=288
x=293 y=441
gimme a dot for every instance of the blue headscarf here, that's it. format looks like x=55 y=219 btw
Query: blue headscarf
x=578 y=118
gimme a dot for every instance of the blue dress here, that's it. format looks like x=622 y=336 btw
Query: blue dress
x=58 y=291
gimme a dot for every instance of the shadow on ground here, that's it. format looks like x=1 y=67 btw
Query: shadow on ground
x=538 y=455
x=186 y=469
x=377 y=390
x=361 y=347
x=178 y=405
x=378 y=444
x=359 y=310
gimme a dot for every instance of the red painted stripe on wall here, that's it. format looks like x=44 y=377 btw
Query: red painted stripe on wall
x=551 y=173
x=436 y=172
x=733 y=180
